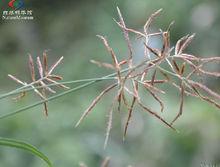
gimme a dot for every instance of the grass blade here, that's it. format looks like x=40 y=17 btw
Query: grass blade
x=24 y=146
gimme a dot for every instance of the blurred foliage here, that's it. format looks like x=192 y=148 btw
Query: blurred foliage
x=68 y=29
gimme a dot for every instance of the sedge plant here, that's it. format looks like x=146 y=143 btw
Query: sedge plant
x=129 y=78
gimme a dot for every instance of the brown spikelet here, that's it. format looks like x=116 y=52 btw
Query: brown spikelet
x=38 y=93
x=47 y=87
x=45 y=109
x=182 y=69
x=204 y=88
x=126 y=36
x=122 y=62
x=115 y=61
x=40 y=68
x=166 y=43
x=210 y=59
x=181 y=104
x=156 y=115
x=176 y=66
x=56 y=77
x=146 y=29
x=125 y=101
x=165 y=75
x=179 y=44
x=185 y=56
x=156 y=81
x=100 y=64
x=109 y=50
x=129 y=117
x=151 y=18
x=214 y=74
x=129 y=29
x=15 y=79
x=95 y=101
x=153 y=77
x=109 y=126
x=152 y=50
x=153 y=88
x=57 y=83
x=121 y=96
x=55 y=65
x=157 y=99
x=105 y=162
x=22 y=94
x=205 y=98
x=45 y=103
x=170 y=25
x=119 y=99
x=45 y=62
x=31 y=67
x=143 y=75
x=81 y=164
x=186 y=43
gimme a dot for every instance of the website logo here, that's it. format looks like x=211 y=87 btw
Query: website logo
x=17 y=11
x=16 y=4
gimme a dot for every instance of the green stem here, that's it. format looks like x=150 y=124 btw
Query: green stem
x=49 y=99
x=26 y=89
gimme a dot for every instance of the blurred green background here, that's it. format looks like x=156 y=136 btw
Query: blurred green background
x=69 y=28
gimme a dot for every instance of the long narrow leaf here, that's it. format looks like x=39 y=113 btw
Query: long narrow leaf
x=24 y=146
